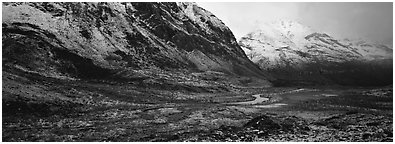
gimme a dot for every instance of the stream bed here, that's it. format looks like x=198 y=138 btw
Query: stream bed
x=258 y=99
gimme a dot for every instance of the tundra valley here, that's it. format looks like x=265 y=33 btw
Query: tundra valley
x=151 y=71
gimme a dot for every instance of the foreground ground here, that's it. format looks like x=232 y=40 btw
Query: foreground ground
x=45 y=109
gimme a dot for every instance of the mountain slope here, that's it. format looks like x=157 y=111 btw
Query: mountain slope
x=293 y=52
x=101 y=40
x=81 y=64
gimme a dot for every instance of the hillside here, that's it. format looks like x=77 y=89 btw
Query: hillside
x=74 y=62
x=118 y=40
x=295 y=55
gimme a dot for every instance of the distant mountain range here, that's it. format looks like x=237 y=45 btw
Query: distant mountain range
x=293 y=52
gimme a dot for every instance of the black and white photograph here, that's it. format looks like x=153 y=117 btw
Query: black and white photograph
x=197 y=71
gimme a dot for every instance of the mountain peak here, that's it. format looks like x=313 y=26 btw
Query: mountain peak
x=292 y=30
x=288 y=24
x=201 y=16
x=283 y=31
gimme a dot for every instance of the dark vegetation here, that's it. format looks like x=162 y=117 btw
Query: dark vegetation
x=351 y=73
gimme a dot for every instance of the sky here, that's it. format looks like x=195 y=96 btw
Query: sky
x=363 y=20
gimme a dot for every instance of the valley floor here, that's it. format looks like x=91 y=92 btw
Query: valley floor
x=44 y=109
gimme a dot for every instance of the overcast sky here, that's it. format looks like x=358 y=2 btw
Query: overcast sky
x=372 y=21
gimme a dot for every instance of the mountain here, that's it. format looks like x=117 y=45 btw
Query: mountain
x=296 y=53
x=370 y=50
x=119 y=40
x=70 y=67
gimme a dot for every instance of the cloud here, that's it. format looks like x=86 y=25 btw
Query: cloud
x=245 y=17
x=372 y=21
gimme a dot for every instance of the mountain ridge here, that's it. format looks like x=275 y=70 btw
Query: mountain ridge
x=118 y=38
x=289 y=47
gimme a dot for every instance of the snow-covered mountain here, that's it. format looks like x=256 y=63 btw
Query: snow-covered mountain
x=291 y=46
x=370 y=50
x=102 y=39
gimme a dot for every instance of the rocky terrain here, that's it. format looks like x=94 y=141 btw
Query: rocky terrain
x=45 y=109
x=335 y=118
x=161 y=72
x=118 y=40
x=297 y=55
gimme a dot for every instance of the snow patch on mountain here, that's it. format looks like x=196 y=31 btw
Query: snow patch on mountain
x=287 y=43
x=201 y=16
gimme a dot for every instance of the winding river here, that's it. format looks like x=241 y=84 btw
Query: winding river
x=291 y=97
x=258 y=99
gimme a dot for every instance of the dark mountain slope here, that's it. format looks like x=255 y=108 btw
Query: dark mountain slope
x=114 y=40
x=79 y=62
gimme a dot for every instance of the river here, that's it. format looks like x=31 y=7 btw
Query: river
x=258 y=99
